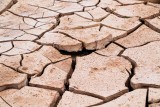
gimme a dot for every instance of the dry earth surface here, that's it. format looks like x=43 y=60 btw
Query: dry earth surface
x=79 y=53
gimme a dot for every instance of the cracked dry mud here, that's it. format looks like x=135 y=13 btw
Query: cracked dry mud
x=79 y=53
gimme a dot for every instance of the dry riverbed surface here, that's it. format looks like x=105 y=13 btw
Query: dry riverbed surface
x=79 y=53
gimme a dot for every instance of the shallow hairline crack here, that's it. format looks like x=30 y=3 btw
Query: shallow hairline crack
x=51 y=62
x=26 y=52
x=148 y=17
x=152 y=5
x=42 y=72
x=8 y=49
x=126 y=4
x=15 y=40
x=148 y=24
x=128 y=33
x=116 y=14
x=103 y=98
x=56 y=11
x=111 y=27
x=14 y=69
x=51 y=28
x=20 y=15
x=36 y=19
x=122 y=16
x=143 y=44
x=5 y=101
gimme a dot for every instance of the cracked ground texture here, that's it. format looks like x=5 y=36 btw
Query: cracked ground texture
x=79 y=53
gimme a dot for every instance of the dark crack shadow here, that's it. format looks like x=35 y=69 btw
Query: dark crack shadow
x=131 y=74
x=147 y=104
x=12 y=3
x=148 y=24
x=68 y=77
